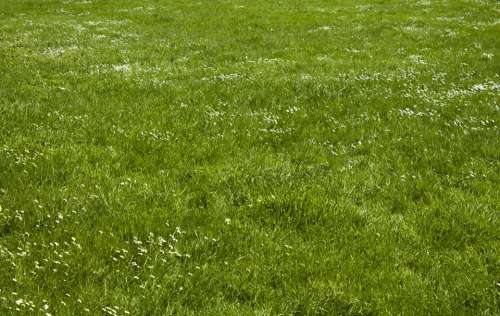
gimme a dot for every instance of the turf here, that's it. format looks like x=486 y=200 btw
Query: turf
x=249 y=157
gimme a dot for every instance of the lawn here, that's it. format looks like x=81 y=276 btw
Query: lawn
x=249 y=157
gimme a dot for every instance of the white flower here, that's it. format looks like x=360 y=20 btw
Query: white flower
x=488 y=56
x=122 y=68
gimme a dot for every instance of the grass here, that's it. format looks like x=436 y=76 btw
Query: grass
x=249 y=157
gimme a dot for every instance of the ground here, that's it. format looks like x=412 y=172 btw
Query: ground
x=249 y=157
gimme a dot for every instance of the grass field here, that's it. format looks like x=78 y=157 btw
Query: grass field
x=249 y=157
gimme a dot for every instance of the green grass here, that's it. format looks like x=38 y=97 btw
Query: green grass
x=249 y=157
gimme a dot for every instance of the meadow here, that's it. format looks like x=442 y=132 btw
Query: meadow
x=249 y=157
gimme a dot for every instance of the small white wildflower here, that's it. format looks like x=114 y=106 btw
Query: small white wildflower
x=417 y=59
x=479 y=87
x=488 y=56
x=122 y=68
x=321 y=28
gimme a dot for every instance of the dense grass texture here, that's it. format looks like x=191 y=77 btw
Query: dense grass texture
x=249 y=157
